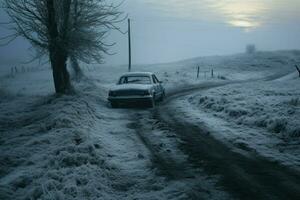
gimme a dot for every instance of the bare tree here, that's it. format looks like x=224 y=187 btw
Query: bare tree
x=63 y=29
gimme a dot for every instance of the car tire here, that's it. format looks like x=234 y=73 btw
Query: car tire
x=151 y=103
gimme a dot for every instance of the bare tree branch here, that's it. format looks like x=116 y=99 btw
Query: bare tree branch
x=63 y=29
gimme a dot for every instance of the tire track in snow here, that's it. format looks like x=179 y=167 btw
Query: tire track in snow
x=170 y=162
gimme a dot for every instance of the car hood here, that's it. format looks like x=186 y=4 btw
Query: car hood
x=131 y=87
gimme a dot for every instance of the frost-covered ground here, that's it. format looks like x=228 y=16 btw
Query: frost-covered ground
x=262 y=116
x=76 y=147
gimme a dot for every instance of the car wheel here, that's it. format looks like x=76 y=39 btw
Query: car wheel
x=151 y=102
x=114 y=105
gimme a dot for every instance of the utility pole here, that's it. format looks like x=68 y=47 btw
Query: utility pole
x=129 y=46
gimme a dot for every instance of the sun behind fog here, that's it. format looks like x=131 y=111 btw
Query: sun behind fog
x=244 y=14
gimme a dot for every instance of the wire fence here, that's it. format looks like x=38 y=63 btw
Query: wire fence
x=16 y=70
x=207 y=73
x=22 y=69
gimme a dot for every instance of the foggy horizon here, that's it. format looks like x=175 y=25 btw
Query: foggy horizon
x=171 y=31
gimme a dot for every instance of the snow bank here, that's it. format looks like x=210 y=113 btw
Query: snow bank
x=65 y=148
x=46 y=149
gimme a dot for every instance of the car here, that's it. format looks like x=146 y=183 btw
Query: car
x=136 y=87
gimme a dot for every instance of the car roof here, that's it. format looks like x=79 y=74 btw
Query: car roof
x=138 y=74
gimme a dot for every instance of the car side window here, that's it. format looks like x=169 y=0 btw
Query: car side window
x=154 y=79
x=123 y=80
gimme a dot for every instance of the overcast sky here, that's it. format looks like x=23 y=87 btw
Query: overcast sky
x=170 y=30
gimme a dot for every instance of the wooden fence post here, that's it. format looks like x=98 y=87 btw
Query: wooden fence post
x=12 y=72
x=298 y=69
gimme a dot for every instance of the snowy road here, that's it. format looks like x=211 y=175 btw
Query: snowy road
x=243 y=174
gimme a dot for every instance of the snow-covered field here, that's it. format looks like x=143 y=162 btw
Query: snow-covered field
x=260 y=116
x=183 y=73
x=273 y=105
x=76 y=147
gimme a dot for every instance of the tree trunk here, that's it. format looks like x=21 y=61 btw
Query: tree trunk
x=57 y=53
x=60 y=73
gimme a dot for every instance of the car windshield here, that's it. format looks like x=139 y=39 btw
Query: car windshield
x=135 y=80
